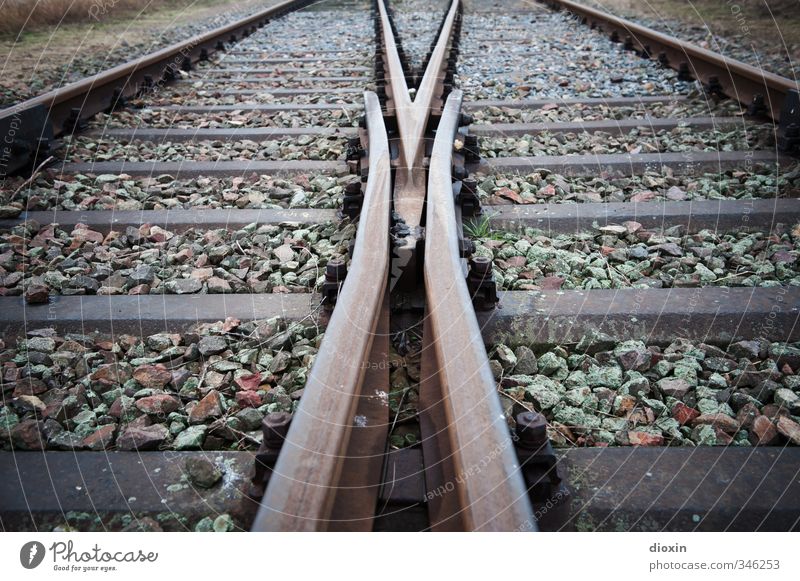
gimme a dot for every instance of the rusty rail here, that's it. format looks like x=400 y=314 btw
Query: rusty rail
x=475 y=482
x=762 y=91
x=310 y=472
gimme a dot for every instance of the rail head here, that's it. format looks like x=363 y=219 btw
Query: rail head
x=491 y=487
x=299 y=496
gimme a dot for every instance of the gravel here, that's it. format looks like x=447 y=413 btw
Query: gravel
x=602 y=393
x=509 y=56
x=161 y=118
x=304 y=147
x=210 y=94
x=79 y=392
x=627 y=256
x=151 y=260
x=311 y=31
x=563 y=112
x=123 y=192
x=417 y=22
x=640 y=140
x=543 y=187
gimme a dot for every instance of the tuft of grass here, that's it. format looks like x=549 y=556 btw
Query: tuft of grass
x=478 y=228
x=481 y=227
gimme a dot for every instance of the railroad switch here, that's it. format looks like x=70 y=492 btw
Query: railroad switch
x=335 y=273
x=274 y=426
x=548 y=492
x=481 y=284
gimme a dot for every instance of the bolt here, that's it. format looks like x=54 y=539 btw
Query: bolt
x=684 y=73
x=531 y=429
x=336 y=270
x=275 y=426
x=480 y=266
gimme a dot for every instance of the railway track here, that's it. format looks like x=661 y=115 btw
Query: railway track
x=521 y=280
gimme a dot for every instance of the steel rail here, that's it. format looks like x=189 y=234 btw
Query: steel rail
x=478 y=459
x=304 y=483
x=412 y=116
x=52 y=113
x=734 y=78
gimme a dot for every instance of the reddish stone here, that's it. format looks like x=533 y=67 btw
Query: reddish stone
x=104 y=345
x=626 y=404
x=152 y=376
x=773 y=411
x=683 y=413
x=632 y=226
x=139 y=289
x=248 y=399
x=27 y=435
x=551 y=283
x=160 y=404
x=29 y=386
x=101 y=439
x=763 y=432
x=82 y=234
x=723 y=439
x=547 y=191
x=110 y=375
x=37 y=294
x=643 y=196
x=210 y=407
x=142 y=438
x=723 y=422
x=510 y=195
x=789 y=429
x=251 y=381
x=516 y=261
x=645 y=439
